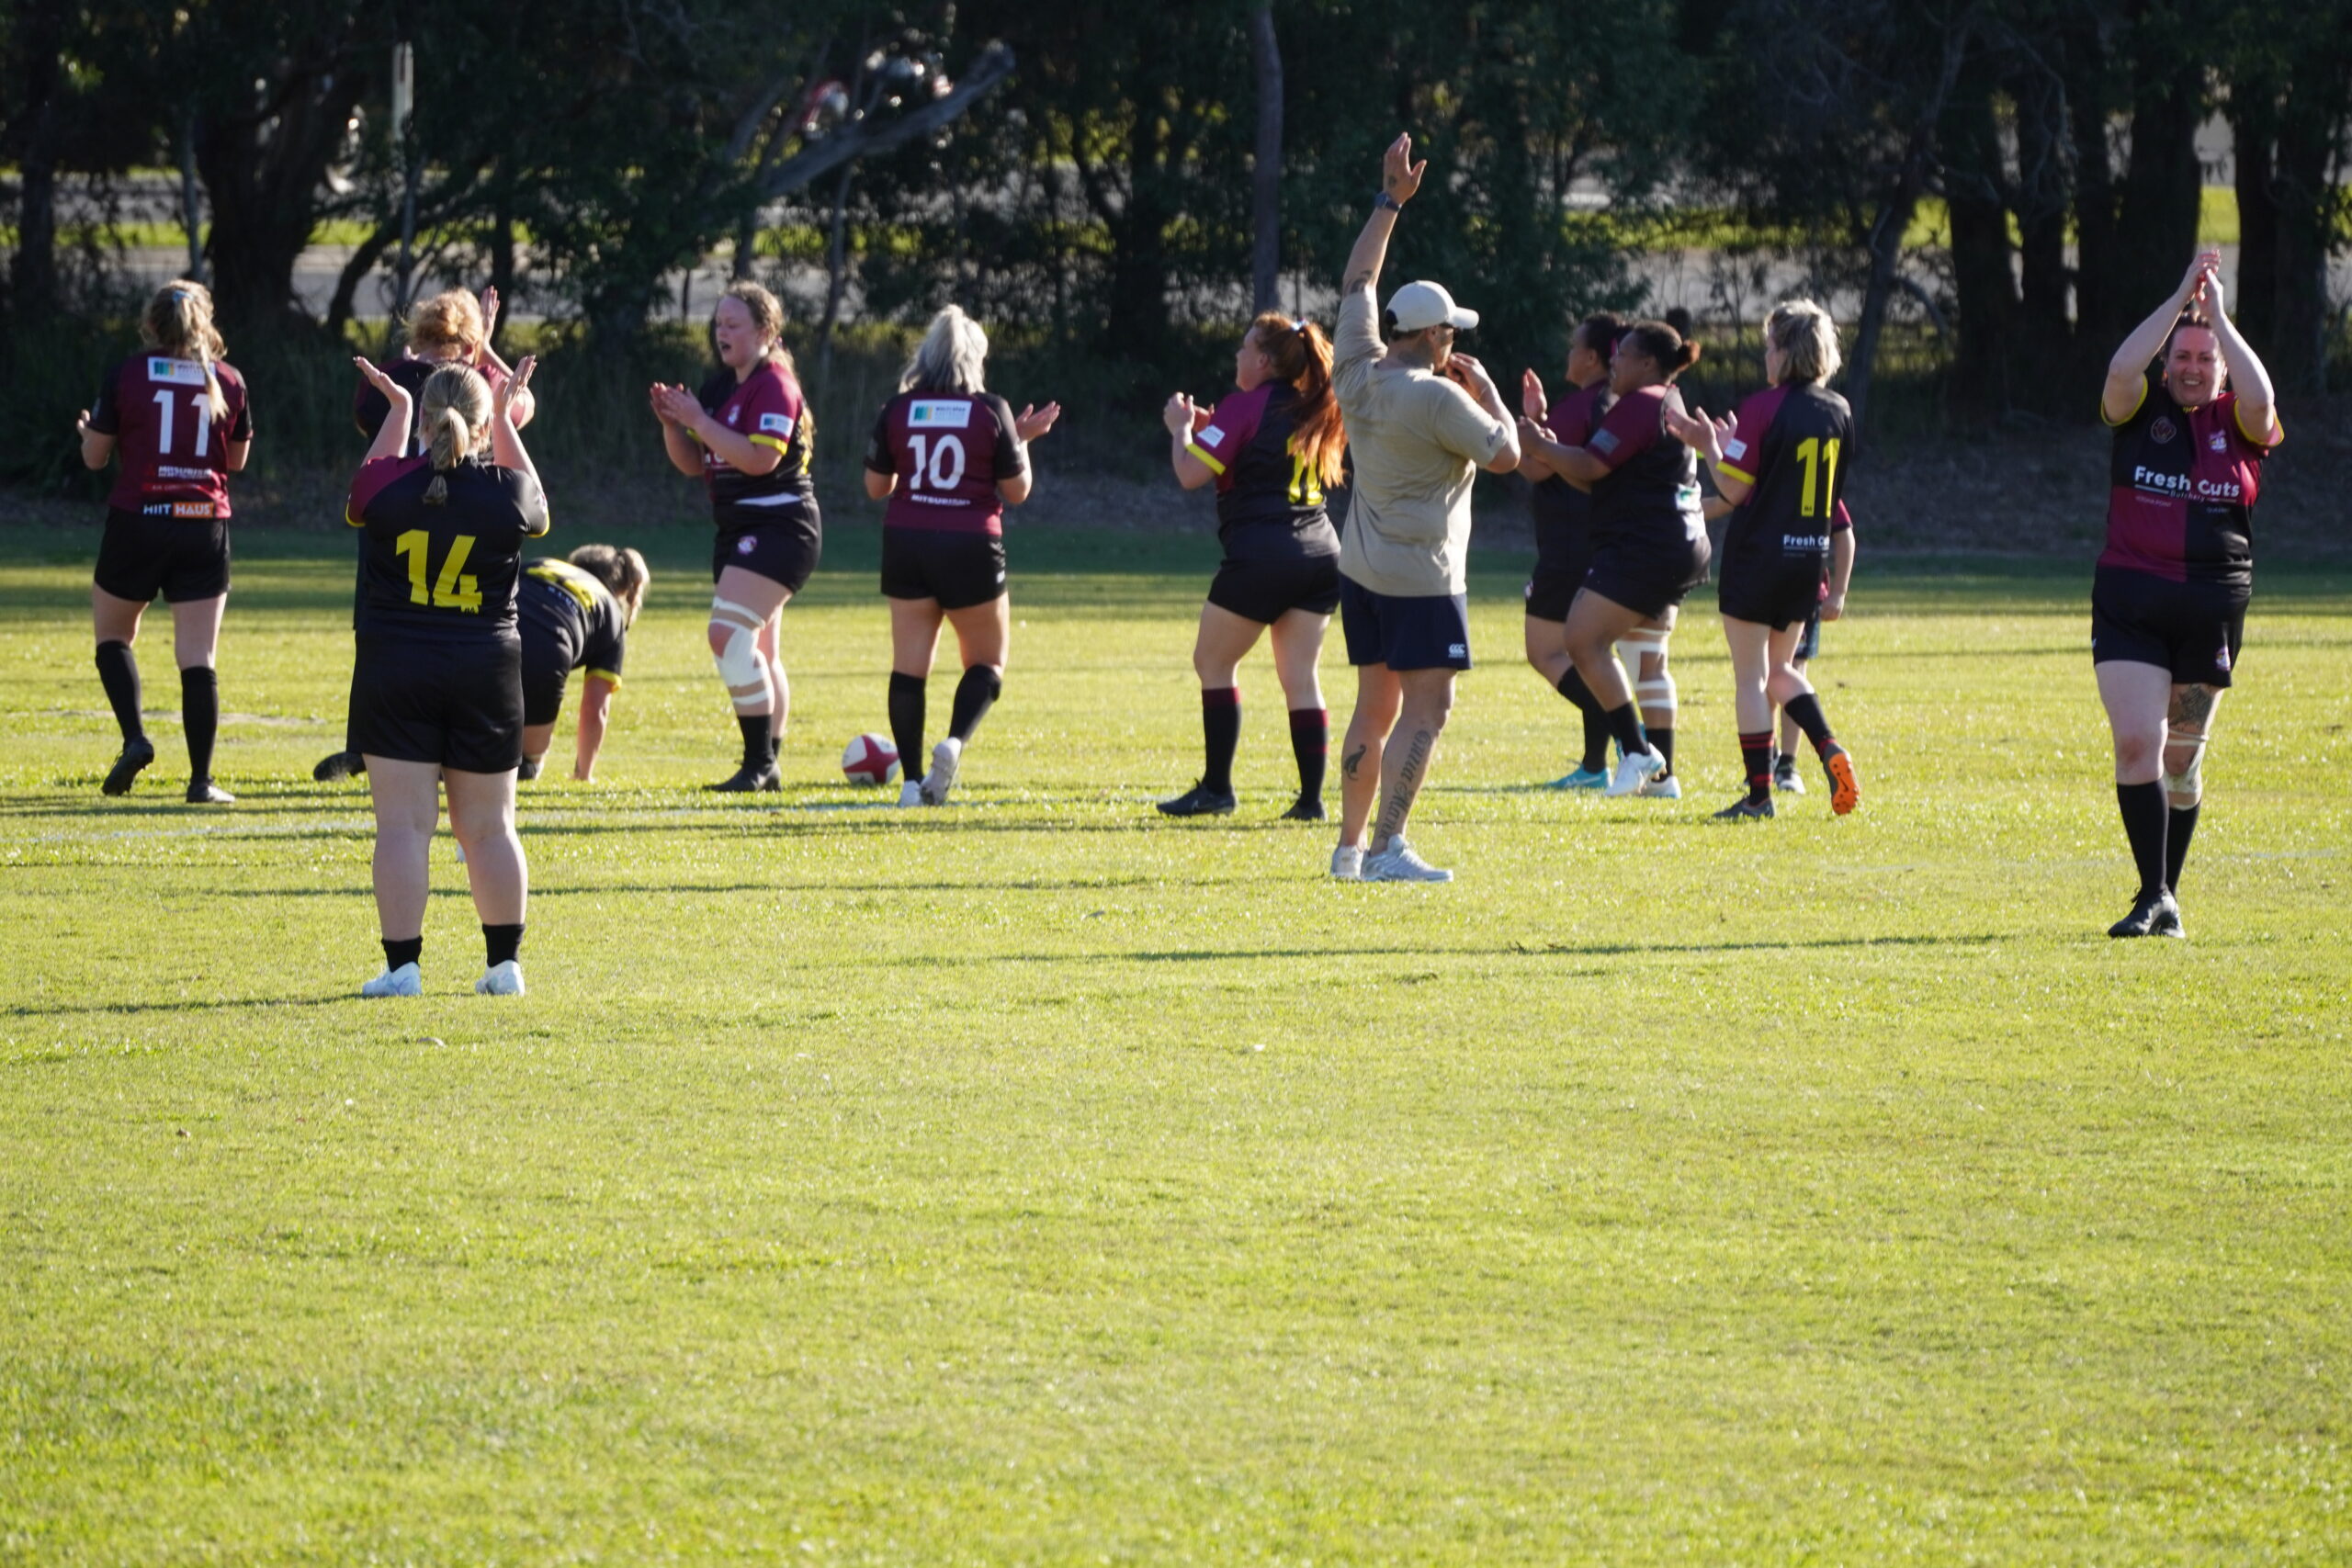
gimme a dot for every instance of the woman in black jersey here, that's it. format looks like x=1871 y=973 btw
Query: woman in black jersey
x=949 y=456
x=176 y=420
x=1778 y=462
x=1563 y=516
x=1271 y=448
x=2168 y=598
x=575 y=613
x=749 y=436
x=1649 y=537
x=437 y=692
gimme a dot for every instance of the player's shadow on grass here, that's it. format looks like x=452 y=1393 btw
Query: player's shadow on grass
x=217 y=1004
x=1520 y=950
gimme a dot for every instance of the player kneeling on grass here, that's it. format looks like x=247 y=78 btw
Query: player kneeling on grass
x=1777 y=461
x=575 y=615
x=950 y=455
x=1270 y=448
x=438 y=691
x=176 y=419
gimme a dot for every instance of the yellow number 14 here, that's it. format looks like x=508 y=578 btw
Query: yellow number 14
x=454 y=590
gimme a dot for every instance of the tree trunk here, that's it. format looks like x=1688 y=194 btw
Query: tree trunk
x=501 y=248
x=2100 y=321
x=2254 y=131
x=33 y=276
x=1975 y=195
x=2163 y=186
x=1266 y=175
x=2040 y=200
x=2311 y=129
x=191 y=208
x=1885 y=251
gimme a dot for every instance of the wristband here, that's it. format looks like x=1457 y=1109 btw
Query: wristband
x=1381 y=198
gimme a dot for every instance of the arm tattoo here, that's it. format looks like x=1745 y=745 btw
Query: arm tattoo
x=1361 y=281
x=1398 y=805
x=1353 y=761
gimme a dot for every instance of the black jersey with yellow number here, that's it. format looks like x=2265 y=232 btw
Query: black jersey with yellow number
x=443 y=572
x=1790 y=444
x=1269 y=496
x=574 y=608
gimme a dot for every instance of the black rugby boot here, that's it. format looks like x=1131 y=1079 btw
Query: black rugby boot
x=136 y=755
x=2153 y=914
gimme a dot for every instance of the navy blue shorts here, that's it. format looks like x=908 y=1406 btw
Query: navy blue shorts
x=1417 y=632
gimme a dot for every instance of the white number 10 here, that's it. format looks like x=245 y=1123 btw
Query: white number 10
x=936 y=470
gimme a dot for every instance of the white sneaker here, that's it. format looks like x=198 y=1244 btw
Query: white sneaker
x=945 y=757
x=911 y=792
x=1633 y=769
x=405 y=981
x=501 y=980
x=1660 y=786
x=1347 y=863
x=1397 y=863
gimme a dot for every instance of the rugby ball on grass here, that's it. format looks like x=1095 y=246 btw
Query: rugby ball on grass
x=870 y=759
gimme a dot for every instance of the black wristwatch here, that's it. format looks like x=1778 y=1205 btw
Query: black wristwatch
x=1381 y=198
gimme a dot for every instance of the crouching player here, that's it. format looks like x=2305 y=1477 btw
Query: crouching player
x=438 y=690
x=574 y=615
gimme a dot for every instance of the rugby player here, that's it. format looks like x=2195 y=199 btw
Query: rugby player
x=1649 y=546
x=1271 y=447
x=950 y=455
x=1563 y=515
x=1422 y=421
x=2168 y=596
x=177 y=421
x=750 y=435
x=574 y=615
x=437 y=692
x=1779 y=461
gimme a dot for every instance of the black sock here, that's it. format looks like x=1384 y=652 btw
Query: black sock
x=1310 y=743
x=2178 y=831
x=407 y=951
x=975 y=694
x=201 y=716
x=1756 y=756
x=759 y=749
x=1807 y=711
x=1596 y=728
x=2145 y=811
x=1221 y=727
x=906 y=720
x=1625 y=727
x=1661 y=740
x=1784 y=759
x=501 y=944
x=118 y=673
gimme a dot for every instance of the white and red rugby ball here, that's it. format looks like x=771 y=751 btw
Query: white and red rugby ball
x=870 y=759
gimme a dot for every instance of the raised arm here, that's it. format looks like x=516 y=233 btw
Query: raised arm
x=1400 y=178
x=506 y=441
x=2127 y=372
x=391 y=436
x=2257 y=398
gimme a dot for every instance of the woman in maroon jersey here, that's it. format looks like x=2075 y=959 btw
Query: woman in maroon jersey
x=437 y=691
x=1649 y=537
x=1778 y=462
x=1271 y=448
x=2169 y=594
x=178 y=419
x=1563 y=516
x=950 y=455
x=751 y=436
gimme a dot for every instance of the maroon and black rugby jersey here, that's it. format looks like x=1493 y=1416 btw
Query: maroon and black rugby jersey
x=1649 y=498
x=1789 y=442
x=2183 y=483
x=561 y=598
x=766 y=406
x=1269 y=496
x=172 y=455
x=1558 y=507
x=948 y=450
x=443 y=573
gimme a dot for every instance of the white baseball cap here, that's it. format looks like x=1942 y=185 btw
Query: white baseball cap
x=1420 y=305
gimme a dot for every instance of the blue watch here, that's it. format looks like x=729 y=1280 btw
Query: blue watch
x=1381 y=198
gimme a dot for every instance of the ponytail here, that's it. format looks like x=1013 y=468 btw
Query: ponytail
x=456 y=406
x=1301 y=355
x=178 y=322
x=1672 y=351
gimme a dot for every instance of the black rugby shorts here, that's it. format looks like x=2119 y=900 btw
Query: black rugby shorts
x=957 y=568
x=2193 y=629
x=1266 y=590
x=183 y=559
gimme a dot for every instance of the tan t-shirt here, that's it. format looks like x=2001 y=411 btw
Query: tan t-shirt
x=1416 y=441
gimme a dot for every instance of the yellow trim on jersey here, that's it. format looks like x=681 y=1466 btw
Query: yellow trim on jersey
x=2237 y=411
x=352 y=518
x=769 y=441
x=608 y=677
x=1214 y=467
x=1741 y=475
x=2136 y=405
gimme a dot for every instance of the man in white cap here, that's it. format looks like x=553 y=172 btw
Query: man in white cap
x=1422 y=421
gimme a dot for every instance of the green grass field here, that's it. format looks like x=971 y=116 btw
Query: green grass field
x=1037 y=1181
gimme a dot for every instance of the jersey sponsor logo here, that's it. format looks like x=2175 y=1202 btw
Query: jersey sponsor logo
x=191 y=508
x=171 y=471
x=777 y=424
x=2161 y=430
x=1734 y=449
x=1799 y=544
x=2227 y=491
x=939 y=414
x=175 y=372
x=1210 y=436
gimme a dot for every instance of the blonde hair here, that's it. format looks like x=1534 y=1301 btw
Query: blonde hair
x=451 y=319
x=620 y=569
x=178 y=321
x=1806 y=338
x=457 y=407
x=952 y=357
x=767 y=317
